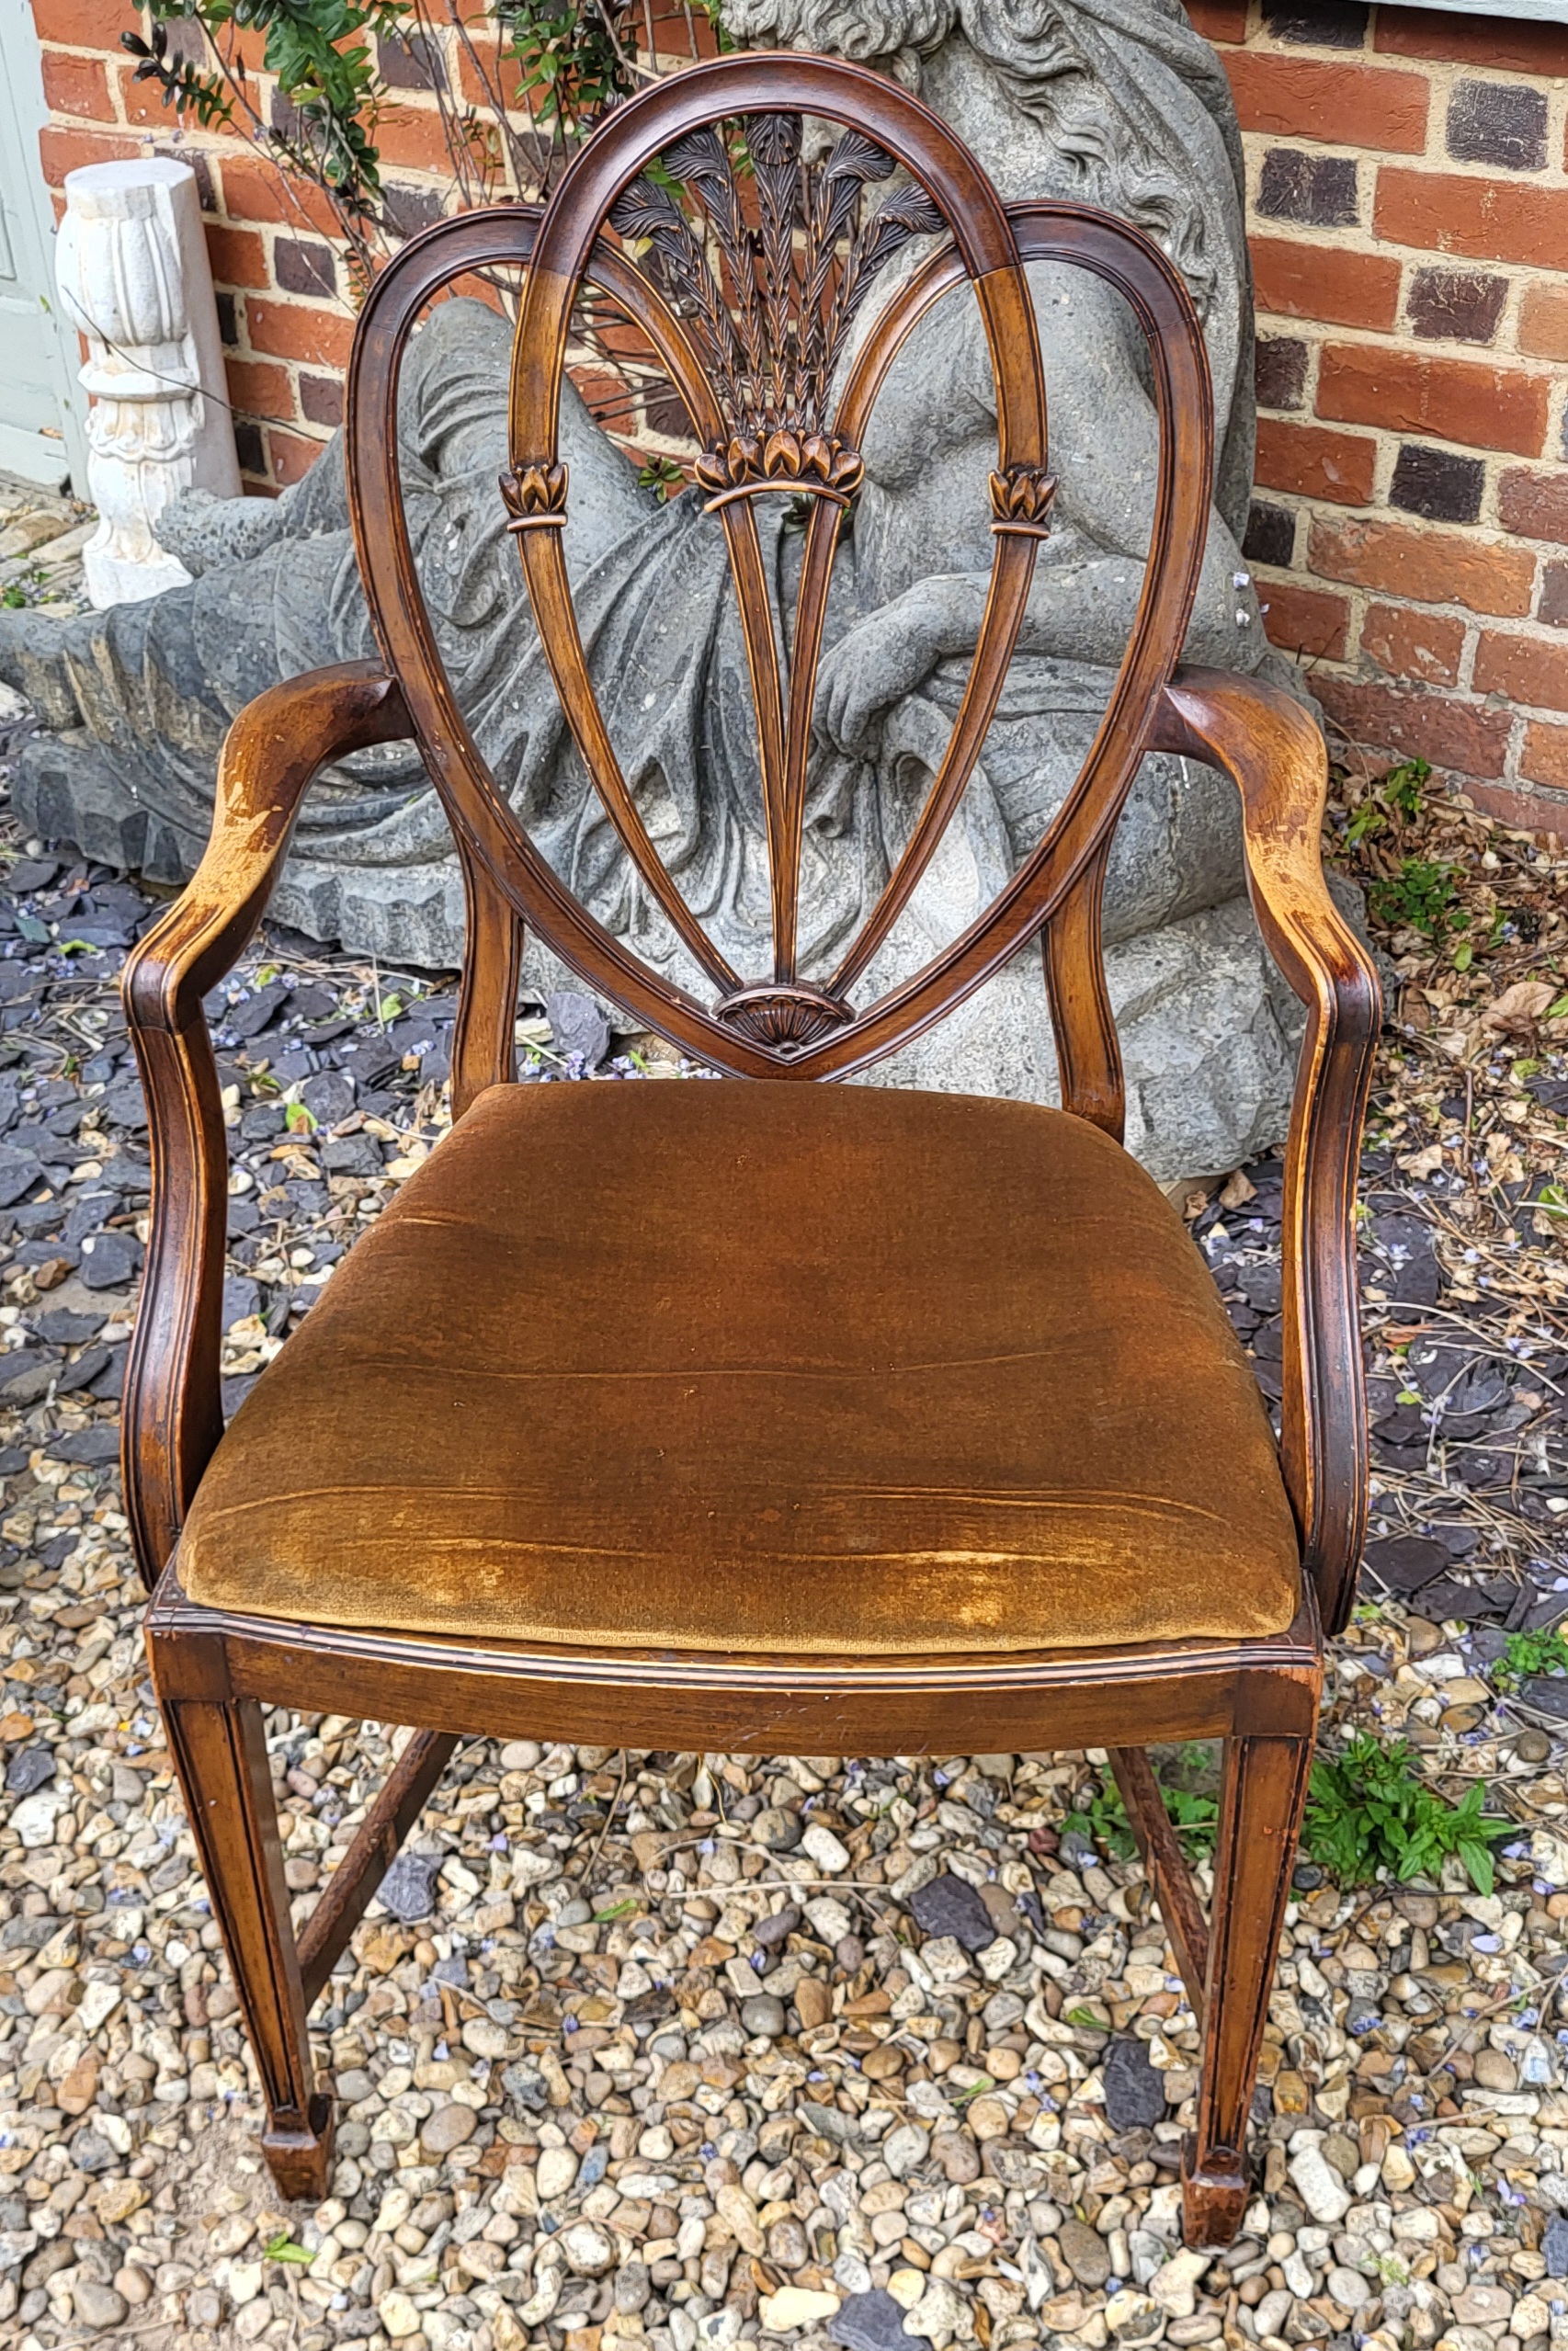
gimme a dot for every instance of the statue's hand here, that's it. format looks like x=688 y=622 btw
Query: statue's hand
x=873 y=666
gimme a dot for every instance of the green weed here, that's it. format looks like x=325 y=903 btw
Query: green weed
x=1527 y=1653
x=1104 y=1819
x=1421 y=897
x=1404 y=787
x=1400 y=793
x=282 y=2248
x=1370 y=1815
x=664 y=477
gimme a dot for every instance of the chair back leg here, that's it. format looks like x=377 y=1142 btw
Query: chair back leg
x=1262 y=1794
x=220 y=1756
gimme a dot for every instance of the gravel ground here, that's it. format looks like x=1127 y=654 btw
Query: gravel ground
x=41 y=539
x=804 y=2049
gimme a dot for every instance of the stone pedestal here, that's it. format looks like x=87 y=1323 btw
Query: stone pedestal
x=134 y=277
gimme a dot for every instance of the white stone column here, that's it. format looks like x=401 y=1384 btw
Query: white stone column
x=133 y=275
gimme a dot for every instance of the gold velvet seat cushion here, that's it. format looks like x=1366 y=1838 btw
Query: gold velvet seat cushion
x=764 y=1368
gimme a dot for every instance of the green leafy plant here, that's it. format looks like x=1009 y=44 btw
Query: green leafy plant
x=1468 y=949
x=1104 y=1819
x=1400 y=794
x=30 y=585
x=328 y=85
x=547 y=69
x=664 y=477
x=1420 y=896
x=573 y=62
x=282 y=2248
x=1527 y=1653
x=1370 y=1815
x=1404 y=787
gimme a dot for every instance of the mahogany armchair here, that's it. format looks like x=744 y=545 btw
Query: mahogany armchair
x=761 y=1414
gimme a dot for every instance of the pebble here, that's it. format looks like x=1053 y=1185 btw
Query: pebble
x=1323 y=2191
x=905 y=2147
x=449 y=2126
x=1484 y=2305
x=399 y=2316
x=1084 y=2251
x=827 y=1851
x=777 y=1829
x=1175 y=2283
x=814 y=2001
x=577 y=1027
x=633 y=2287
x=762 y=2014
x=97 y=2305
x=1271 y=2312
x=589 y=2248
x=958 y=2156
x=556 y=2173
x=794 y=2306
x=1133 y=2318
x=940 y=2312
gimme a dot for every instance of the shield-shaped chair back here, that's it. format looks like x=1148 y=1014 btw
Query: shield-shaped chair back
x=707 y=210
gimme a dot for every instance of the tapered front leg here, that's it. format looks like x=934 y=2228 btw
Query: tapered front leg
x=220 y=1757
x=1263 y=1789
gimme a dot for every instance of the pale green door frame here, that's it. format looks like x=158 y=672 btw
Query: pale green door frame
x=41 y=403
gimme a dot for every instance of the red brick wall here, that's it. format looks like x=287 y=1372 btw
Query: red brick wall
x=1408 y=201
x=284 y=301
x=1408 y=208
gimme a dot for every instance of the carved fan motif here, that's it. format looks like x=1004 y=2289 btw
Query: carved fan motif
x=770 y=323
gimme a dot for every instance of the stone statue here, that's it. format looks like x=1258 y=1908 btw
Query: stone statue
x=131 y=268
x=1117 y=102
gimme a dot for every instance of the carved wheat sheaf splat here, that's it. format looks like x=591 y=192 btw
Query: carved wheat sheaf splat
x=771 y=320
x=746 y=257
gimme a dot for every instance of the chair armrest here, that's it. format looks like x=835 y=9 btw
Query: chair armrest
x=1273 y=752
x=173 y=1416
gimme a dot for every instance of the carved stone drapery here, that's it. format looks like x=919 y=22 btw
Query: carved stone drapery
x=134 y=277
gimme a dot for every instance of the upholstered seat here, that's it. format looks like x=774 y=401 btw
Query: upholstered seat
x=761 y=1367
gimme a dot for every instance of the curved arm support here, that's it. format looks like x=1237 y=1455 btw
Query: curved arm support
x=174 y=1415
x=1272 y=751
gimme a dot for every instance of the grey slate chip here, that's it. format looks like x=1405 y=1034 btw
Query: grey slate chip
x=950 y=1905
x=408 y=1890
